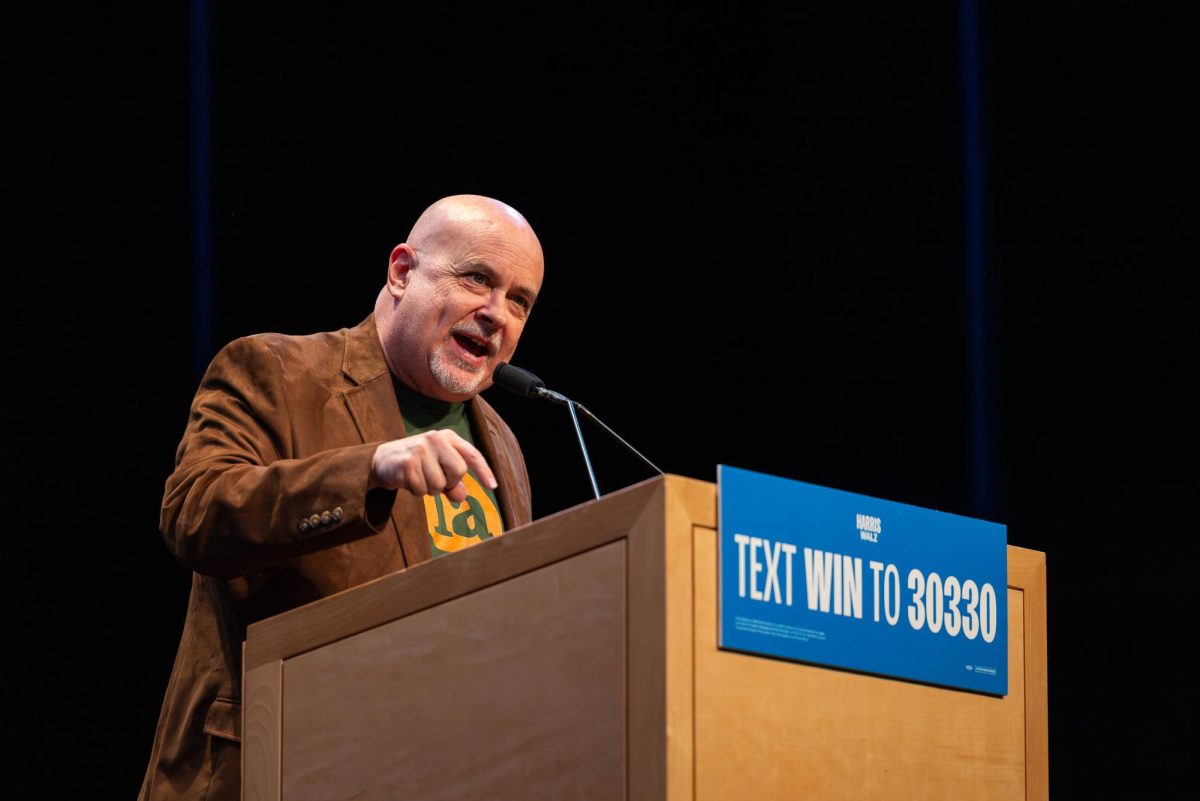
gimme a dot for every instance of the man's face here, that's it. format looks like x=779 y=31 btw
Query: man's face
x=463 y=306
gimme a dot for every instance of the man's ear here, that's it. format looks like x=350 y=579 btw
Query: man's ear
x=400 y=267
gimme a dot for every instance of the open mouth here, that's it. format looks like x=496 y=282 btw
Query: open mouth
x=478 y=348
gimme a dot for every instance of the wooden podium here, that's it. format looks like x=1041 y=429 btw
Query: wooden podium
x=576 y=658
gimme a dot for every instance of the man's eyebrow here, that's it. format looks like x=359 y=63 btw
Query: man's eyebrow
x=476 y=267
x=483 y=267
x=530 y=294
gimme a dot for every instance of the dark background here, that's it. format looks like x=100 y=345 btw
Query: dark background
x=759 y=215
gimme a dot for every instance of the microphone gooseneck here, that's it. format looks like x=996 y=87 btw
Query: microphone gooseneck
x=525 y=383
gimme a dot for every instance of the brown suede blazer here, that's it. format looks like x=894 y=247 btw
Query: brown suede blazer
x=283 y=428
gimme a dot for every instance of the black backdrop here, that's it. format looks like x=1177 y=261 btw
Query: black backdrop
x=760 y=216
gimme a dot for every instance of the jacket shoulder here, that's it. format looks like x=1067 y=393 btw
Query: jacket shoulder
x=291 y=356
x=329 y=344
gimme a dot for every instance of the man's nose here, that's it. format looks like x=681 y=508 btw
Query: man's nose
x=495 y=312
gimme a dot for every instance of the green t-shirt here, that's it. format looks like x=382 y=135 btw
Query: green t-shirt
x=452 y=526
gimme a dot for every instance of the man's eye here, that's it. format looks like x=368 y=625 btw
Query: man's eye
x=478 y=278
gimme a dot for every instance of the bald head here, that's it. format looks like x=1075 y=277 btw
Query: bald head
x=458 y=294
x=466 y=215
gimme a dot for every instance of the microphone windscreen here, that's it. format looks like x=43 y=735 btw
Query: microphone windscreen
x=514 y=379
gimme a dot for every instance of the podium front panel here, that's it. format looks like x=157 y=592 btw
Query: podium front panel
x=511 y=692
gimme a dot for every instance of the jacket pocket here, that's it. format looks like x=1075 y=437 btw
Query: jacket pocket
x=224 y=720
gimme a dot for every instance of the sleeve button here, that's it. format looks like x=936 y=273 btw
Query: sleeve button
x=326 y=518
x=338 y=513
x=314 y=521
x=303 y=526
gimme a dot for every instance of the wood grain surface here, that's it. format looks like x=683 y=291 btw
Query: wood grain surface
x=514 y=692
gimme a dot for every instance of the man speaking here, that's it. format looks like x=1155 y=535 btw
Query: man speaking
x=312 y=464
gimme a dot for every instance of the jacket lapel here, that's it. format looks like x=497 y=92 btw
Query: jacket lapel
x=489 y=441
x=372 y=405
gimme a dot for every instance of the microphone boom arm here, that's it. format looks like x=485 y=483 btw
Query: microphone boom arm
x=524 y=382
x=586 y=459
x=617 y=437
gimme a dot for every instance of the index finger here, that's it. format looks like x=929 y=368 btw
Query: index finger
x=475 y=462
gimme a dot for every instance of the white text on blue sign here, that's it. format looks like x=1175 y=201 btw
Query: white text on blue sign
x=833 y=584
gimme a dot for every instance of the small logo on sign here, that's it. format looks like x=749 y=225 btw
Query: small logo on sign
x=869 y=527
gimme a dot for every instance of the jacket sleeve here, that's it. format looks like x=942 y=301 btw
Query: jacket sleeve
x=238 y=501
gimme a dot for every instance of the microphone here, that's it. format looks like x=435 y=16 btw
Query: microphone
x=523 y=382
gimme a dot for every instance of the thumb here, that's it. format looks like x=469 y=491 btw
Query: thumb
x=457 y=493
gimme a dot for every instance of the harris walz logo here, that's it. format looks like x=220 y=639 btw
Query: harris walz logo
x=869 y=527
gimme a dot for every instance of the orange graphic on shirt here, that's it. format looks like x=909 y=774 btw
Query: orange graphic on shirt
x=454 y=526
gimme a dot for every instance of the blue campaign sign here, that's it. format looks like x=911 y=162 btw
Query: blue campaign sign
x=831 y=577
